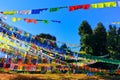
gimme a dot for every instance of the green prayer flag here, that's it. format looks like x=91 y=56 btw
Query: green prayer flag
x=54 y=9
x=46 y=21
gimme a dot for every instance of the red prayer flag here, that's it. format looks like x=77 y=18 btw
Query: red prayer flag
x=86 y=6
x=34 y=21
x=20 y=61
x=3 y=49
x=72 y=8
x=30 y=20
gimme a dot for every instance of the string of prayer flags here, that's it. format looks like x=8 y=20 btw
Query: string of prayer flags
x=34 y=11
x=71 y=8
x=16 y=30
x=116 y=23
x=14 y=19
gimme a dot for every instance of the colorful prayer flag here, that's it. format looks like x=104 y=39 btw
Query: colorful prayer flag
x=113 y=4
x=35 y=11
x=86 y=6
x=14 y=19
x=72 y=8
x=9 y=12
x=100 y=5
x=54 y=9
x=107 y=4
x=94 y=5
x=24 y=12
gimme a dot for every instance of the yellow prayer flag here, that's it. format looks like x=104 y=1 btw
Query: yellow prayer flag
x=24 y=55
x=20 y=68
x=35 y=57
x=12 y=12
x=10 y=43
x=9 y=12
x=94 y=5
x=0 y=38
x=51 y=54
x=18 y=19
x=5 y=40
x=38 y=48
x=107 y=4
x=8 y=47
x=0 y=45
x=13 y=44
x=14 y=19
x=100 y=5
x=113 y=4
x=5 y=12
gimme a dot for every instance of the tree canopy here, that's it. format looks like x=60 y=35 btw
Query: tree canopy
x=99 y=42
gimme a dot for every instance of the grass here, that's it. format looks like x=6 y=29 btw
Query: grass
x=16 y=76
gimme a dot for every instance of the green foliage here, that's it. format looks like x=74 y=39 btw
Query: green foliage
x=85 y=28
x=100 y=41
x=63 y=46
x=42 y=36
x=46 y=36
x=85 y=32
x=113 y=42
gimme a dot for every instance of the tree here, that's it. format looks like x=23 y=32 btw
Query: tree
x=85 y=33
x=46 y=36
x=100 y=41
x=87 y=41
x=84 y=28
x=113 y=42
x=63 y=46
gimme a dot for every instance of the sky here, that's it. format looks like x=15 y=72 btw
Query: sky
x=67 y=30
